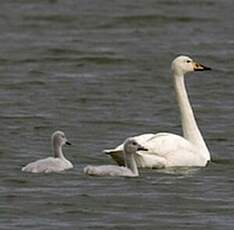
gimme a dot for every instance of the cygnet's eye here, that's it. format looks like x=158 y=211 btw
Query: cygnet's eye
x=188 y=61
x=134 y=143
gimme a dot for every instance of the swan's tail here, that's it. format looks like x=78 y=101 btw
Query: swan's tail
x=108 y=151
x=116 y=155
x=89 y=170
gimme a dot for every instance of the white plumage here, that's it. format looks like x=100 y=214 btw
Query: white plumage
x=57 y=163
x=108 y=170
x=130 y=147
x=167 y=149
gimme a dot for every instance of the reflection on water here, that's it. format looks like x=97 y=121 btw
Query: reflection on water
x=100 y=71
x=180 y=171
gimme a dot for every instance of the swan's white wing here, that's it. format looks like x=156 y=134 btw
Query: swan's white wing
x=47 y=165
x=108 y=170
x=168 y=150
x=164 y=144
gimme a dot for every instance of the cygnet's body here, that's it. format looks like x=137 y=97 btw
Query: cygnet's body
x=130 y=169
x=57 y=163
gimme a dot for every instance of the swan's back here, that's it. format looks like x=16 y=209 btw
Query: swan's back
x=108 y=170
x=169 y=150
x=48 y=165
x=166 y=143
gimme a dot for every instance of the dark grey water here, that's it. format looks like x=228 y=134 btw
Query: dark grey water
x=100 y=71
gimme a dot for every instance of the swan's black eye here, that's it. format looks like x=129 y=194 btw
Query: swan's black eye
x=134 y=143
x=188 y=61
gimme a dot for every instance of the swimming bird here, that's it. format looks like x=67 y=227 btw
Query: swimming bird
x=130 y=147
x=167 y=149
x=57 y=163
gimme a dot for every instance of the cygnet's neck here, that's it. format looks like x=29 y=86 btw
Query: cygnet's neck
x=57 y=149
x=130 y=163
x=190 y=129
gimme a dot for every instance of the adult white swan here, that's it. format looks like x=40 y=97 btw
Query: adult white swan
x=57 y=163
x=167 y=149
x=130 y=147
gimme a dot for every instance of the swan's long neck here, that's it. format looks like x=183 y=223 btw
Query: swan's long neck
x=58 y=152
x=130 y=163
x=190 y=129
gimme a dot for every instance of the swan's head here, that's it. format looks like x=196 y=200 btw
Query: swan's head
x=132 y=146
x=183 y=64
x=59 y=139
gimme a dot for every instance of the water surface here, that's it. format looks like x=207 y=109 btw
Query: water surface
x=100 y=71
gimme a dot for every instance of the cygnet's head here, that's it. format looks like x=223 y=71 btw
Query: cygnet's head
x=183 y=64
x=131 y=146
x=59 y=139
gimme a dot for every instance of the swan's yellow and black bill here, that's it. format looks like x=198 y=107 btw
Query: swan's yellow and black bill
x=200 y=67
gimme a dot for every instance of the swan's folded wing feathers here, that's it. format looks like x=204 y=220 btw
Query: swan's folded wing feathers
x=141 y=139
x=167 y=143
x=167 y=150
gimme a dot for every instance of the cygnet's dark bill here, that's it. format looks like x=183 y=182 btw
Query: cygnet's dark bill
x=200 y=67
x=142 y=149
x=68 y=143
